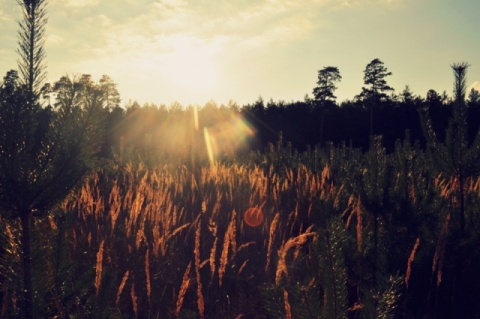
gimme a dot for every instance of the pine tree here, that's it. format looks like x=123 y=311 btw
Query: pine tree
x=31 y=39
x=454 y=157
x=376 y=86
x=324 y=91
x=44 y=153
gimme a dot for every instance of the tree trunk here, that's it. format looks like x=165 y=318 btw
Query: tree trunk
x=462 y=205
x=27 y=265
x=322 y=121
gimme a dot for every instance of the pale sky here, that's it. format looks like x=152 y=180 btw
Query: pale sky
x=194 y=51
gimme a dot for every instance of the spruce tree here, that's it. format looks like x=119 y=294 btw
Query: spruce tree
x=44 y=153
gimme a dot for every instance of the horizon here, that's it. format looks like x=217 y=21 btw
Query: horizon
x=179 y=51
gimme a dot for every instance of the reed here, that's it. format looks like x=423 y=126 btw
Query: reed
x=99 y=267
x=411 y=258
x=183 y=290
x=146 y=235
x=200 y=299
x=288 y=308
x=121 y=286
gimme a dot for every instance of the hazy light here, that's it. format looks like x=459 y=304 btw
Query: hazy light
x=227 y=137
x=195 y=117
x=208 y=144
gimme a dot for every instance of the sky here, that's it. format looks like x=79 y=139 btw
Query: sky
x=196 y=51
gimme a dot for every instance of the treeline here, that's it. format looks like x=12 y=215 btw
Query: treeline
x=316 y=121
x=304 y=124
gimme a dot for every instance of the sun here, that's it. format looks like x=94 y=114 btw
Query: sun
x=191 y=67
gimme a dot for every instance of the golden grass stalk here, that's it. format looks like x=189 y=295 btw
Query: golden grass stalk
x=134 y=300
x=282 y=253
x=355 y=210
x=212 y=258
x=183 y=289
x=288 y=308
x=52 y=223
x=147 y=274
x=122 y=285
x=242 y=267
x=233 y=234
x=98 y=271
x=336 y=201
x=228 y=241
x=411 y=258
x=114 y=201
x=13 y=247
x=200 y=301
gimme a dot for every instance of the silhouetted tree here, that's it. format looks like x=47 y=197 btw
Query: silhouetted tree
x=111 y=96
x=473 y=97
x=406 y=95
x=324 y=91
x=43 y=152
x=433 y=99
x=327 y=79
x=374 y=77
x=31 y=38
x=455 y=157
x=376 y=86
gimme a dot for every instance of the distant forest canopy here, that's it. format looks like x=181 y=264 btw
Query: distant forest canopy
x=315 y=121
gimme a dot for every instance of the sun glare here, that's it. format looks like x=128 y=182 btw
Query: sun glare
x=227 y=137
x=191 y=66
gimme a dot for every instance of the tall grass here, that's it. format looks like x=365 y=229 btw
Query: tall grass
x=149 y=229
x=171 y=241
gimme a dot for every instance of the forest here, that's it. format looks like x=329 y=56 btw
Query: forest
x=366 y=208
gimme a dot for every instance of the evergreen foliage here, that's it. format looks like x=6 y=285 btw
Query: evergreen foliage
x=31 y=40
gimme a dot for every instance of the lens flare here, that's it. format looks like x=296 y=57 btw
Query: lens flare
x=195 y=117
x=253 y=217
x=208 y=145
x=227 y=137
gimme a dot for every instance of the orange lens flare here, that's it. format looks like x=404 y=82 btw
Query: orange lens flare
x=253 y=217
x=227 y=137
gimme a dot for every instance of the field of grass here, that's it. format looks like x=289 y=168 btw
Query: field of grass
x=330 y=233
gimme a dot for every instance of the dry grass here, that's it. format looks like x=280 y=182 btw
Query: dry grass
x=355 y=210
x=411 y=258
x=121 y=286
x=149 y=233
x=183 y=290
x=229 y=242
x=200 y=300
x=271 y=238
x=98 y=269
x=157 y=213
x=288 y=308
x=293 y=242
x=155 y=230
